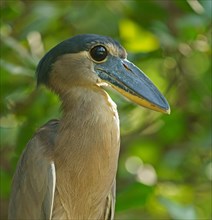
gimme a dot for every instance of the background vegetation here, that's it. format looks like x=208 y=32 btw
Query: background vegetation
x=165 y=167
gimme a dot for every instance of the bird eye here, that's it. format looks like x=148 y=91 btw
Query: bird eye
x=98 y=53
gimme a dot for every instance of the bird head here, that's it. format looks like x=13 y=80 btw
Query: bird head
x=89 y=60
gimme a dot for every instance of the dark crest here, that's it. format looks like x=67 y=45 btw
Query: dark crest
x=75 y=44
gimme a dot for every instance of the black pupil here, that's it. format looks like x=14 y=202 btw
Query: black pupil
x=98 y=53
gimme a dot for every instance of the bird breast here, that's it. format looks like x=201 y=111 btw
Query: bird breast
x=86 y=153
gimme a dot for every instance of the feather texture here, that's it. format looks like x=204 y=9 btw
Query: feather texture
x=34 y=181
x=68 y=168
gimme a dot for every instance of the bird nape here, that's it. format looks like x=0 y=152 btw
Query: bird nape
x=68 y=169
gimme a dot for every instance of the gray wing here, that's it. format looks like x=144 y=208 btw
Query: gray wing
x=34 y=181
x=110 y=205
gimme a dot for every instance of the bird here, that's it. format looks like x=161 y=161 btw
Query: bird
x=68 y=168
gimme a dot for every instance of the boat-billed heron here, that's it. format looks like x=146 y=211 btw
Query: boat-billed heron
x=68 y=169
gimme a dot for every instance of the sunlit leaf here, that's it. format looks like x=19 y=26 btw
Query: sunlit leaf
x=136 y=38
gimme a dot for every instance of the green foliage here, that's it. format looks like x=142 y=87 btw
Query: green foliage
x=165 y=163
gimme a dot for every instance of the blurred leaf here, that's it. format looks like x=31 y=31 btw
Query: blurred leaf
x=14 y=69
x=10 y=10
x=190 y=26
x=207 y=4
x=19 y=50
x=175 y=127
x=133 y=196
x=178 y=211
x=5 y=181
x=4 y=131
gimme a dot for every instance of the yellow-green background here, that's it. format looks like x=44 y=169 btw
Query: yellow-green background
x=170 y=40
